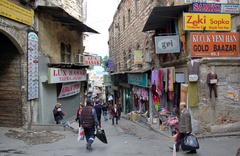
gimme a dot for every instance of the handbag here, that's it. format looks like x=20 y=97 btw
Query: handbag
x=80 y=134
x=189 y=142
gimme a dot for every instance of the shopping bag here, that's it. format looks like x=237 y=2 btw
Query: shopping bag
x=189 y=142
x=80 y=134
x=174 y=150
x=100 y=134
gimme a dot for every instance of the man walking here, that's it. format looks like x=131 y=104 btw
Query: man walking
x=89 y=121
x=98 y=109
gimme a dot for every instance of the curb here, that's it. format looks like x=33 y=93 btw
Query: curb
x=200 y=136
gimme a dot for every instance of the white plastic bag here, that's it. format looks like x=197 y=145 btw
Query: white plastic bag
x=80 y=134
x=174 y=150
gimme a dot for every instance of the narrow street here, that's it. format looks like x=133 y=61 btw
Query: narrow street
x=126 y=139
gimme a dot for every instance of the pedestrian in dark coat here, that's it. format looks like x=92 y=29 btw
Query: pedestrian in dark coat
x=58 y=113
x=98 y=108
x=115 y=114
x=185 y=125
x=88 y=120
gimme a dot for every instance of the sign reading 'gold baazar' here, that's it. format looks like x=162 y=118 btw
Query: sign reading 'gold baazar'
x=15 y=12
x=214 y=22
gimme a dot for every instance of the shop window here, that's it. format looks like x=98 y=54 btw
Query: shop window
x=65 y=53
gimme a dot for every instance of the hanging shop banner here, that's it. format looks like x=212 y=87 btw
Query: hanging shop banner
x=15 y=12
x=32 y=65
x=90 y=60
x=182 y=2
x=206 y=1
x=216 y=8
x=138 y=79
x=138 y=57
x=199 y=21
x=167 y=44
x=207 y=7
x=69 y=90
x=230 y=8
x=60 y=75
x=214 y=44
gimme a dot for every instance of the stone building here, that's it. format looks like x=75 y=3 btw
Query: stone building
x=13 y=71
x=164 y=26
x=62 y=76
x=40 y=44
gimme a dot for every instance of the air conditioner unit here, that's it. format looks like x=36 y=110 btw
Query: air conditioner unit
x=148 y=57
x=79 y=58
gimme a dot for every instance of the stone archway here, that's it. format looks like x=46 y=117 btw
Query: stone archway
x=11 y=114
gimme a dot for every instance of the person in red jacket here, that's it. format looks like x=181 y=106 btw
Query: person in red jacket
x=79 y=113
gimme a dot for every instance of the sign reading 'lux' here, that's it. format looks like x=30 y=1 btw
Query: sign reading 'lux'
x=59 y=75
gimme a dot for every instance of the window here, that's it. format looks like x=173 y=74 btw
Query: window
x=136 y=6
x=123 y=22
x=129 y=15
x=65 y=53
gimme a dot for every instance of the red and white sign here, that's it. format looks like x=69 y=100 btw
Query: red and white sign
x=69 y=90
x=60 y=75
x=91 y=60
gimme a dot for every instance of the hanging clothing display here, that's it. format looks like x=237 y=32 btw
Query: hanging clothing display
x=165 y=79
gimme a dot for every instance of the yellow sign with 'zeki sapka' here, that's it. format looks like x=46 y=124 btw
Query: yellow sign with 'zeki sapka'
x=16 y=12
x=212 y=22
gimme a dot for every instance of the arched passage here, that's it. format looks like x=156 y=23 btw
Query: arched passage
x=10 y=84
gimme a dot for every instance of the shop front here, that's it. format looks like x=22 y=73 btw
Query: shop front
x=139 y=95
x=64 y=85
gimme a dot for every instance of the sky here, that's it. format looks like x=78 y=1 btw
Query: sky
x=99 y=17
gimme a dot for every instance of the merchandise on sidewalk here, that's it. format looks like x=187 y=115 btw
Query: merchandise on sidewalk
x=190 y=142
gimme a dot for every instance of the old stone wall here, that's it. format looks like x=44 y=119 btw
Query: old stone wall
x=52 y=33
x=17 y=33
x=74 y=7
x=225 y=108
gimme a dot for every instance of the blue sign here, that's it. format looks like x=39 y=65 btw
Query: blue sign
x=138 y=79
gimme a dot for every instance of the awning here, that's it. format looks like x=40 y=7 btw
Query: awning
x=132 y=71
x=66 y=65
x=60 y=15
x=160 y=17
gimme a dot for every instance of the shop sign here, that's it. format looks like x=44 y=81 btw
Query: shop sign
x=199 y=21
x=182 y=2
x=60 y=75
x=206 y=1
x=167 y=44
x=32 y=45
x=214 y=44
x=138 y=79
x=207 y=7
x=69 y=90
x=230 y=8
x=138 y=57
x=15 y=12
x=90 y=60
x=107 y=80
x=216 y=8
